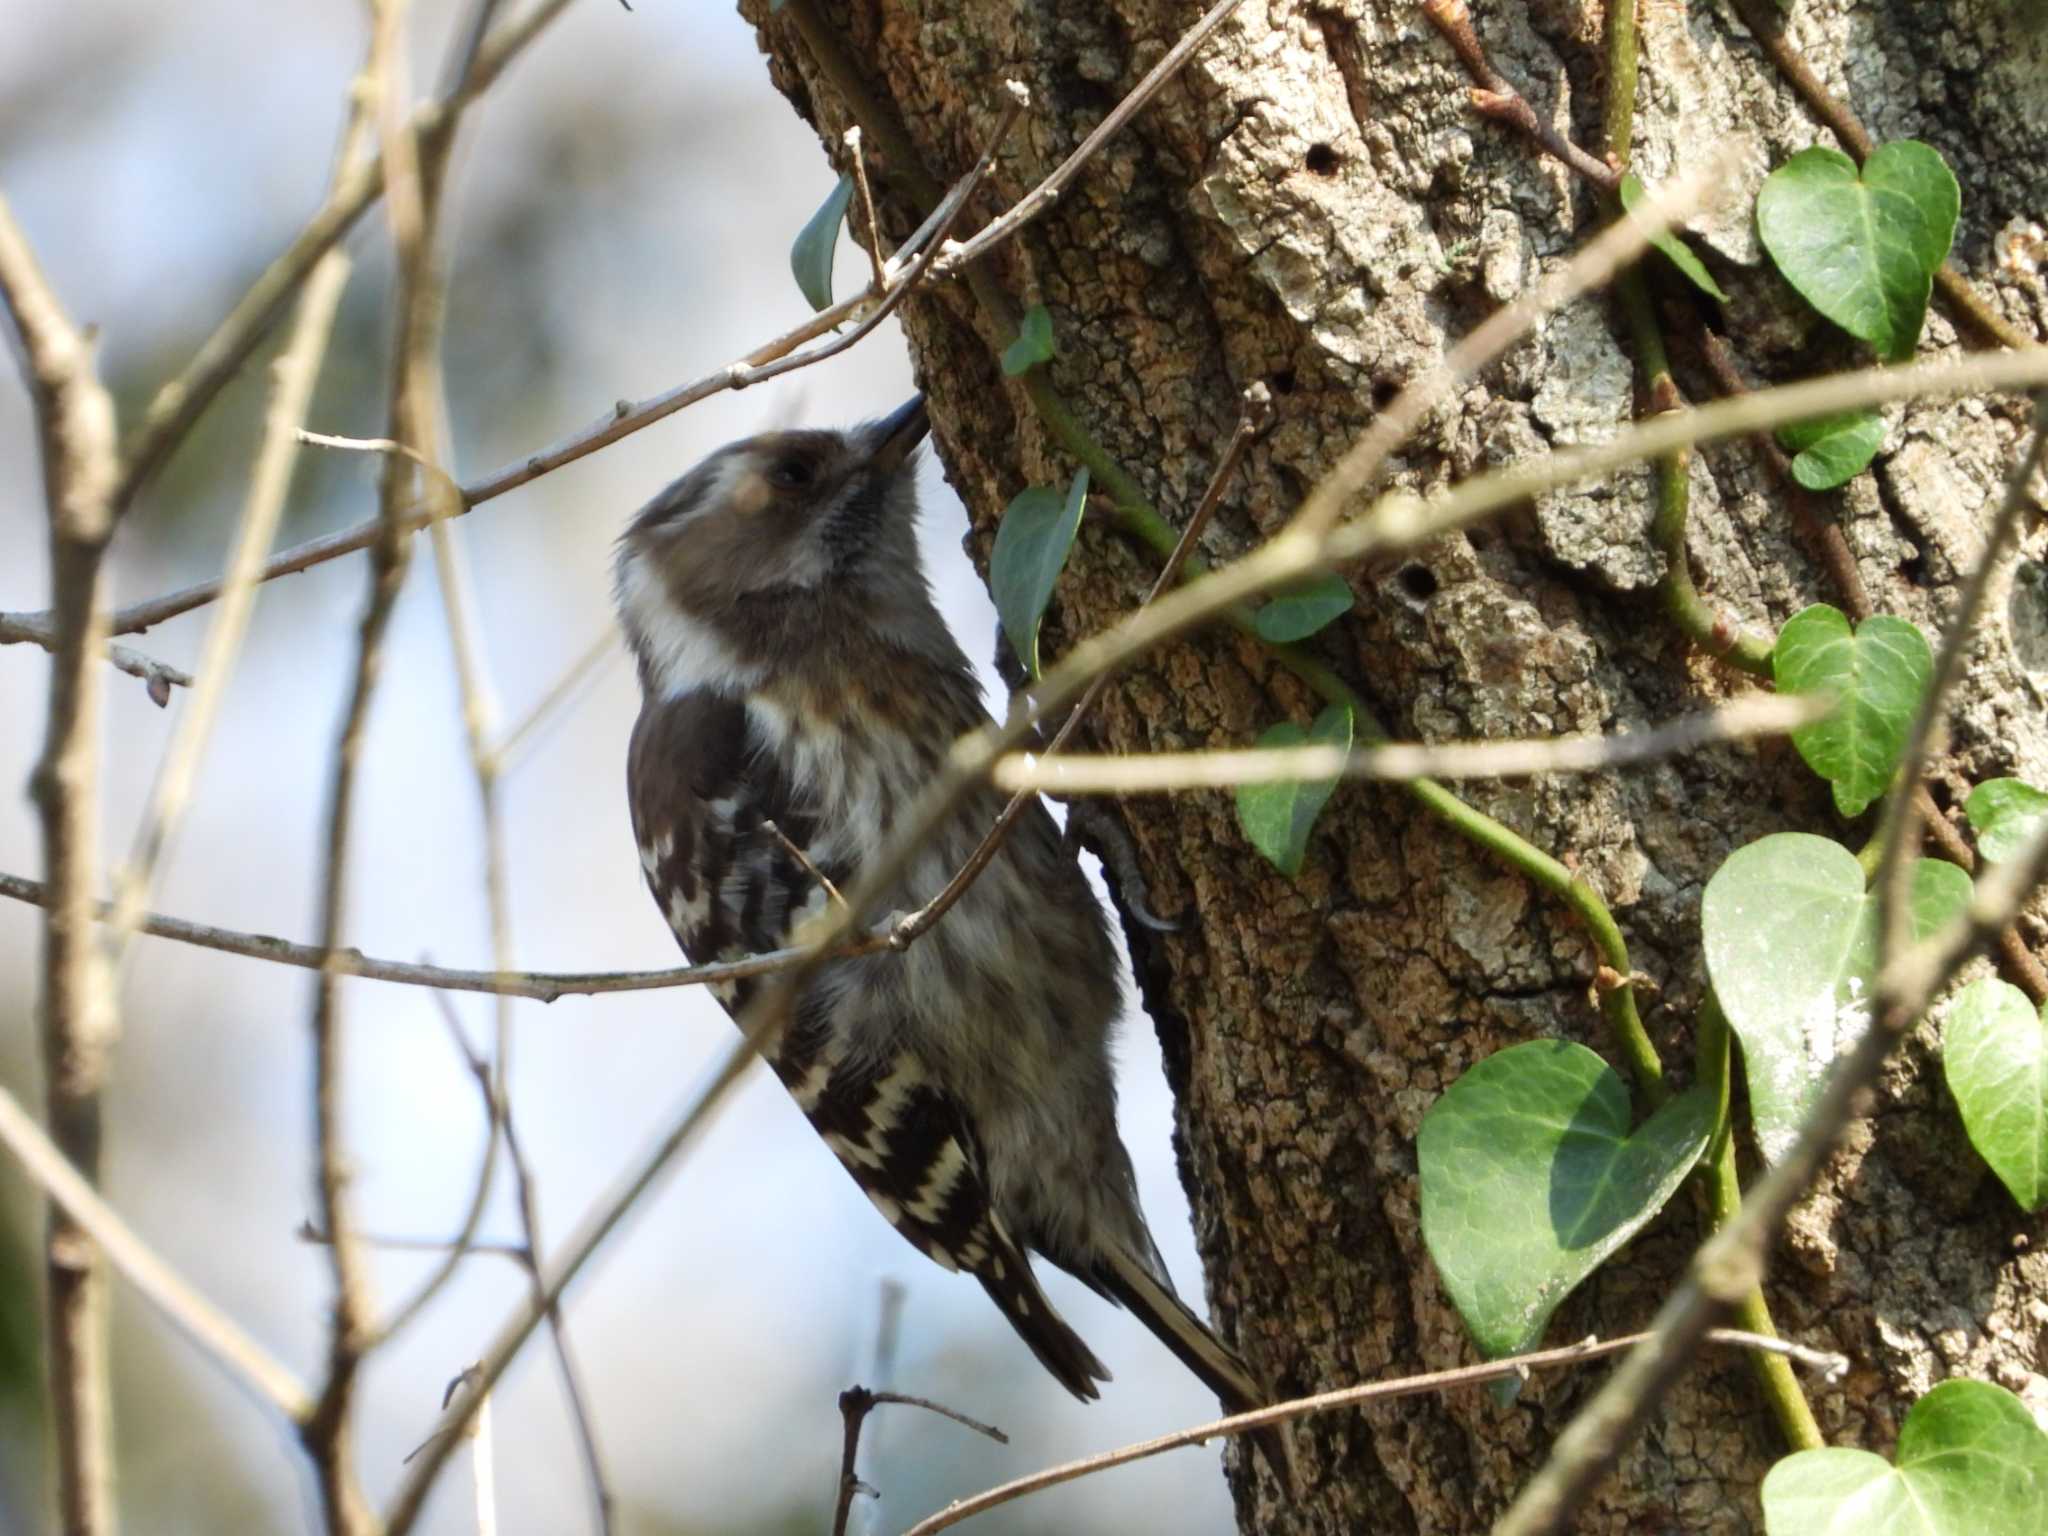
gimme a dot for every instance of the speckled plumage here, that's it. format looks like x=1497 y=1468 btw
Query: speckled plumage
x=794 y=670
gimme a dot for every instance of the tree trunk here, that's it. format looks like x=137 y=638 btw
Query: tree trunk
x=1314 y=203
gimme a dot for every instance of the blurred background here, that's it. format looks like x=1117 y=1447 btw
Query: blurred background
x=622 y=208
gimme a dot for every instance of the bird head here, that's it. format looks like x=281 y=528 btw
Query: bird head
x=772 y=543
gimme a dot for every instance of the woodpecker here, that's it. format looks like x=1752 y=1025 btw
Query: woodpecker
x=794 y=671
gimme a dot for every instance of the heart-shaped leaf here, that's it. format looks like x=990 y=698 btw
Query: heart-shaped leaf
x=1791 y=948
x=1032 y=541
x=810 y=258
x=1832 y=450
x=1033 y=344
x=1863 y=250
x=1279 y=816
x=1295 y=613
x=2005 y=813
x=1876 y=676
x=1971 y=1462
x=1675 y=250
x=1995 y=1052
x=1530 y=1180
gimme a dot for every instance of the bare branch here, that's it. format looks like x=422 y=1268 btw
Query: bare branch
x=855 y=1404
x=212 y=1330
x=1346 y=1397
x=329 y=1434
x=160 y=677
x=867 y=210
x=75 y=429
x=541 y=986
x=292 y=379
x=1047 y=192
x=1153 y=773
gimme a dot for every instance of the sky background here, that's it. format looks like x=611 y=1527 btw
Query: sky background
x=623 y=205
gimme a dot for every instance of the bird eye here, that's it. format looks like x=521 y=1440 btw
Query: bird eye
x=790 y=473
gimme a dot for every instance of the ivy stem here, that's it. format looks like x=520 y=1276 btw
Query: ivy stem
x=1719 y=637
x=1694 y=616
x=1723 y=1191
x=1139 y=519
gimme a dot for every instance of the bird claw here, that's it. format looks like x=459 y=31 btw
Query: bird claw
x=1091 y=820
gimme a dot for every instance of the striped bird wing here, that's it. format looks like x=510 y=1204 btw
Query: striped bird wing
x=701 y=790
x=909 y=1147
x=701 y=785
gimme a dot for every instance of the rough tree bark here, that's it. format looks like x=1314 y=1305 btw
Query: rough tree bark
x=1315 y=204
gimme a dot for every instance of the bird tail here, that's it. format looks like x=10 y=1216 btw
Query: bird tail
x=1006 y=1275
x=1128 y=1280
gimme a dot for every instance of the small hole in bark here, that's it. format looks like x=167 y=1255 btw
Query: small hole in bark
x=1283 y=382
x=1322 y=160
x=1383 y=393
x=1419 y=582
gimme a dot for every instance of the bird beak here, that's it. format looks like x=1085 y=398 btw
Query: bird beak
x=897 y=435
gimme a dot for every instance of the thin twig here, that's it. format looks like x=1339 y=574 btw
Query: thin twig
x=540 y=986
x=1497 y=98
x=867 y=211
x=74 y=418
x=1730 y=1263
x=498 y=1111
x=855 y=1404
x=1519 y=1366
x=158 y=676
x=1253 y=416
x=804 y=861
x=516 y=1252
x=292 y=378
x=479 y=708
x=328 y=1435
x=505 y=751
x=1153 y=773
x=1047 y=192
x=212 y=1330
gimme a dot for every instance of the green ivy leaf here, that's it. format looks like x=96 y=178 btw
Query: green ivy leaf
x=1995 y=1052
x=1531 y=1180
x=1863 y=250
x=1971 y=1462
x=1279 y=816
x=2005 y=813
x=810 y=258
x=1791 y=948
x=1876 y=677
x=1032 y=541
x=1033 y=344
x=1832 y=450
x=1295 y=613
x=1675 y=250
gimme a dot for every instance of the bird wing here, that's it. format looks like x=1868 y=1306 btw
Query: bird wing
x=701 y=784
